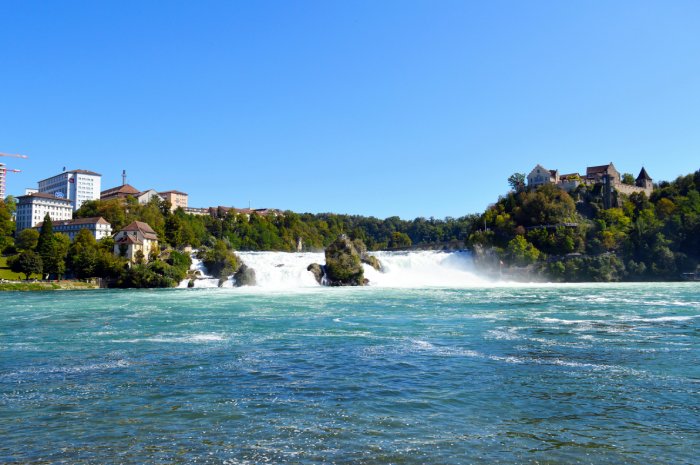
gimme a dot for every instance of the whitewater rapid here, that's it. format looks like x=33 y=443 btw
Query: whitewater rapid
x=284 y=270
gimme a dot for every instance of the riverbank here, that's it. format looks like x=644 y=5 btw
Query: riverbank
x=65 y=285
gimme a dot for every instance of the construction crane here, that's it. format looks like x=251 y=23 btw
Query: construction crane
x=13 y=155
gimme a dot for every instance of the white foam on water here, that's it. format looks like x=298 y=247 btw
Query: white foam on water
x=282 y=270
x=288 y=271
x=660 y=319
x=424 y=269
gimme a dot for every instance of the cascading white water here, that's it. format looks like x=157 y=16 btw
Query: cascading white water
x=424 y=269
x=283 y=270
x=203 y=279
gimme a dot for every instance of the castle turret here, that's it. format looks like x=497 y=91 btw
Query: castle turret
x=644 y=181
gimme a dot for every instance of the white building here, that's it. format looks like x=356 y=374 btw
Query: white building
x=3 y=179
x=146 y=196
x=98 y=226
x=31 y=209
x=76 y=186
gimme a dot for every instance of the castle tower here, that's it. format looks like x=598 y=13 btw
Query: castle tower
x=645 y=182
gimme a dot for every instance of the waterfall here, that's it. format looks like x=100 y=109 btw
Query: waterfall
x=203 y=279
x=415 y=269
x=428 y=268
x=283 y=270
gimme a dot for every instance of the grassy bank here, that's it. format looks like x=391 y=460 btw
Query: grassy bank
x=46 y=286
x=8 y=274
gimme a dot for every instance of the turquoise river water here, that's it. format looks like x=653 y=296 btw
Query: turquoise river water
x=546 y=374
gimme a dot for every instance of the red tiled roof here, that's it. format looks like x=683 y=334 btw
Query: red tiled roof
x=597 y=169
x=124 y=189
x=143 y=228
x=127 y=239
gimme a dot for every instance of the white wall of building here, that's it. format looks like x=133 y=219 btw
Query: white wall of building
x=76 y=186
x=31 y=210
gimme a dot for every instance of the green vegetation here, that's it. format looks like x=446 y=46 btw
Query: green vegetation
x=547 y=231
x=276 y=231
x=571 y=237
x=47 y=286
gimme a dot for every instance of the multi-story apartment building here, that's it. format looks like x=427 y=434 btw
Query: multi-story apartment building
x=98 y=226
x=31 y=209
x=77 y=186
x=176 y=199
x=3 y=178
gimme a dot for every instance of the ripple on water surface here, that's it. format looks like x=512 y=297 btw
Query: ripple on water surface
x=545 y=374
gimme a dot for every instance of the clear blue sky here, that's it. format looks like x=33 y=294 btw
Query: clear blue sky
x=370 y=107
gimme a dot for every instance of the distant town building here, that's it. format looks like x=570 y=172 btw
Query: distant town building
x=176 y=199
x=98 y=226
x=77 y=186
x=146 y=196
x=3 y=180
x=220 y=212
x=541 y=175
x=119 y=192
x=196 y=211
x=606 y=175
x=31 y=209
x=30 y=190
x=137 y=236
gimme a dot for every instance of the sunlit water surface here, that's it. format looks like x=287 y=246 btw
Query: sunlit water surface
x=545 y=374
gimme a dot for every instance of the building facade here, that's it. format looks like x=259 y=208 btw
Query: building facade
x=3 y=180
x=77 y=186
x=98 y=226
x=541 y=175
x=146 y=196
x=31 y=209
x=176 y=199
x=606 y=175
x=137 y=236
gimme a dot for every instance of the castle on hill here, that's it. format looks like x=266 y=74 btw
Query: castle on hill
x=606 y=175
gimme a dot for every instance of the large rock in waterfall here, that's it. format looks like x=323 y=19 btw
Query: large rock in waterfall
x=244 y=276
x=317 y=271
x=371 y=260
x=343 y=264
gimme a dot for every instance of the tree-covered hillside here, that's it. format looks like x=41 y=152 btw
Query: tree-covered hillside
x=277 y=231
x=571 y=237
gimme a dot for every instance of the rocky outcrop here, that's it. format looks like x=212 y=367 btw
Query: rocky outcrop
x=371 y=260
x=343 y=264
x=344 y=259
x=244 y=276
x=317 y=271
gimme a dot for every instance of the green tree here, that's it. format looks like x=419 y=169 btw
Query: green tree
x=628 y=179
x=83 y=255
x=54 y=255
x=7 y=225
x=520 y=252
x=27 y=239
x=399 y=240
x=45 y=236
x=28 y=262
x=516 y=181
